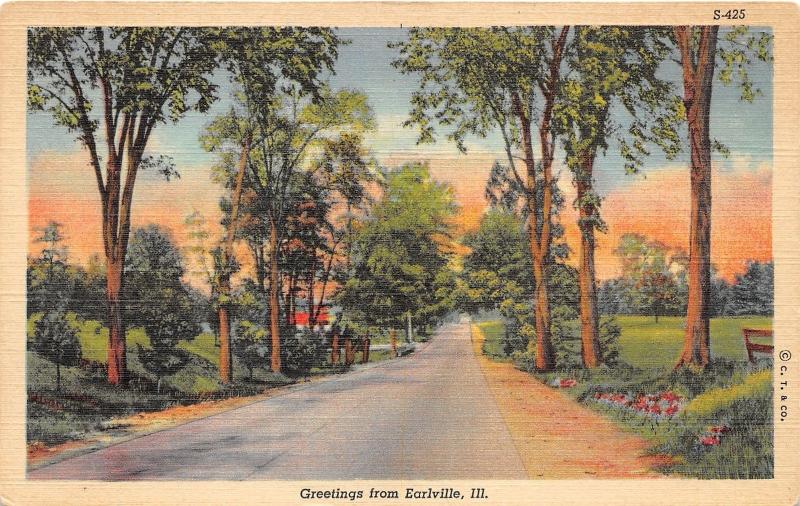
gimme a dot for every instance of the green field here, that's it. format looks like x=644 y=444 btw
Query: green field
x=646 y=344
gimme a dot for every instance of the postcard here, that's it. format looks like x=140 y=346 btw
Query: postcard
x=396 y=253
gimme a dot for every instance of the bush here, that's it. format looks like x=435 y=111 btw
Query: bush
x=252 y=345
x=300 y=351
x=524 y=360
x=56 y=340
x=512 y=339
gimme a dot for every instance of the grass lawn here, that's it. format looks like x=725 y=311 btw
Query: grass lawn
x=492 y=346
x=646 y=344
x=87 y=401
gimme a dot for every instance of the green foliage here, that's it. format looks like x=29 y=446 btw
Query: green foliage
x=252 y=345
x=50 y=279
x=497 y=274
x=653 y=277
x=162 y=72
x=467 y=75
x=55 y=339
x=260 y=59
x=753 y=292
x=300 y=351
x=615 y=66
x=399 y=264
x=158 y=301
x=739 y=48
x=498 y=266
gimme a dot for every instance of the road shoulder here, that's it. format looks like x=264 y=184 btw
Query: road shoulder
x=557 y=437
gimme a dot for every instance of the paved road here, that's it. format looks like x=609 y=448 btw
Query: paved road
x=427 y=416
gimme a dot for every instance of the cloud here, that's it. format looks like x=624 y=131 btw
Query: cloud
x=659 y=207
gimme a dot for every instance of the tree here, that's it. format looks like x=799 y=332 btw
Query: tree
x=287 y=133
x=608 y=66
x=699 y=51
x=475 y=81
x=260 y=60
x=158 y=301
x=166 y=317
x=753 y=292
x=251 y=345
x=399 y=261
x=49 y=280
x=650 y=274
x=56 y=340
x=112 y=87
x=498 y=266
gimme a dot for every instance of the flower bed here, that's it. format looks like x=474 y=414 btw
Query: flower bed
x=660 y=405
x=563 y=383
x=713 y=435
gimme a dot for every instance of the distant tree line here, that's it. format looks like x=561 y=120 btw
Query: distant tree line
x=654 y=283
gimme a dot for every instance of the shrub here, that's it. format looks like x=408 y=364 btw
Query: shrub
x=56 y=340
x=252 y=345
x=512 y=340
x=300 y=350
x=524 y=360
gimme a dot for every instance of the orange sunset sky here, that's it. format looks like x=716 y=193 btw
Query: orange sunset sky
x=62 y=188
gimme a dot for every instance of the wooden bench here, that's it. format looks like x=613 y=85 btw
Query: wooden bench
x=755 y=347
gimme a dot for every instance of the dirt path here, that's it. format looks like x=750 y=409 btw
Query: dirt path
x=555 y=436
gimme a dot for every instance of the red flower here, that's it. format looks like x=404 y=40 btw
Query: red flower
x=671 y=410
x=670 y=396
x=720 y=429
x=710 y=440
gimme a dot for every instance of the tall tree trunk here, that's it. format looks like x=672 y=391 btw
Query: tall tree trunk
x=393 y=340
x=697 y=83
x=117 y=361
x=349 y=355
x=590 y=332
x=261 y=271
x=539 y=245
x=335 y=348
x=365 y=350
x=225 y=355
x=541 y=233
x=287 y=301
x=545 y=355
x=274 y=297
